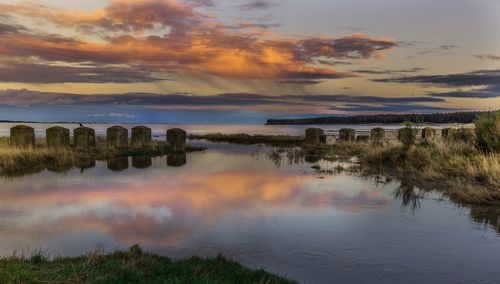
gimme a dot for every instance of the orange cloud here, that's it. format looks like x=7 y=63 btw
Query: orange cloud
x=166 y=36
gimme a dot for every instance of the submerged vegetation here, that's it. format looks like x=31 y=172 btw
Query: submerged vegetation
x=132 y=266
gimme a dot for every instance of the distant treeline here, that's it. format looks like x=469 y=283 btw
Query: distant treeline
x=453 y=117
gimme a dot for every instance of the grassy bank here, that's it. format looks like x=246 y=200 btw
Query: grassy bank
x=272 y=140
x=475 y=175
x=467 y=174
x=15 y=160
x=132 y=266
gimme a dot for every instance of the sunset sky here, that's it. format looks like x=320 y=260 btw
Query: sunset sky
x=243 y=61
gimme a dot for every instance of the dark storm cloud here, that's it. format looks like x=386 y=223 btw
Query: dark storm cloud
x=475 y=78
x=488 y=57
x=299 y=82
x=362 y=99
x=448 y=47
x=258 y=5
x=21 y=97
x=349 y=47
x=206 y=3
x=486 y=82
x=388 y=72
x=392 y=108
x=6 y=29
x=492 y=91
x=20 y=72
x=26 y=97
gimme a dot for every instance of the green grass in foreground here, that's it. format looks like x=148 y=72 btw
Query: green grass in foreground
x=132 y=266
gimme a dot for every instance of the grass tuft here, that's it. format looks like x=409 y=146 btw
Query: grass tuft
x=132 y=266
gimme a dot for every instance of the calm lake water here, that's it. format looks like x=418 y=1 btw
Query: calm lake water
x=257 y=209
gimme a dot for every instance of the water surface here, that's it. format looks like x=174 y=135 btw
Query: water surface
x=258 y=210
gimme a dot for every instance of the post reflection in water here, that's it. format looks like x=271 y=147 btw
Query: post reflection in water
x=118 y=164
x=176 y=159
x=56 y=167
x=85 y=164
x=142 y=162
x=256 y=209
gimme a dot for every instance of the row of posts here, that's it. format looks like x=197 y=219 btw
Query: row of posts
x=84 y=137
x=316 y=136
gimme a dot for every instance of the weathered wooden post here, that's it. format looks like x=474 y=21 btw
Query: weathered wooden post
x=141 y=162
x=314 y=136
x=84 y=137
x=22 y=136
x=176 y=160
x=118 y=164
x=347 y=134
x=141 y=136
x=377 y=135
x=176 y=139
x=363 y=138
x=117 y=137
x=57 y=137
x=428 y=133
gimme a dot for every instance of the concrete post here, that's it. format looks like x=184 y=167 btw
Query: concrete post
x=347 y=134
x=117 y=137
x=176 y=139
x=314 y=136
x=428 y=133
x=57 y=137
x=84 y=137
x=141 y=136
x=377 y=135
x=22 y=136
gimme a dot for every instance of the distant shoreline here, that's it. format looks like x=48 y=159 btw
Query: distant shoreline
x=432 y=118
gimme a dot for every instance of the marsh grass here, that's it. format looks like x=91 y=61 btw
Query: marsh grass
x=19 y=161
x=487 y=128
x=475 y=175
x=457 y=168
x=13 y=159
x=132 y=266
x=273 y=140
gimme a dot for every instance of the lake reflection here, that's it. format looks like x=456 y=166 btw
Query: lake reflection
x=242 y=202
